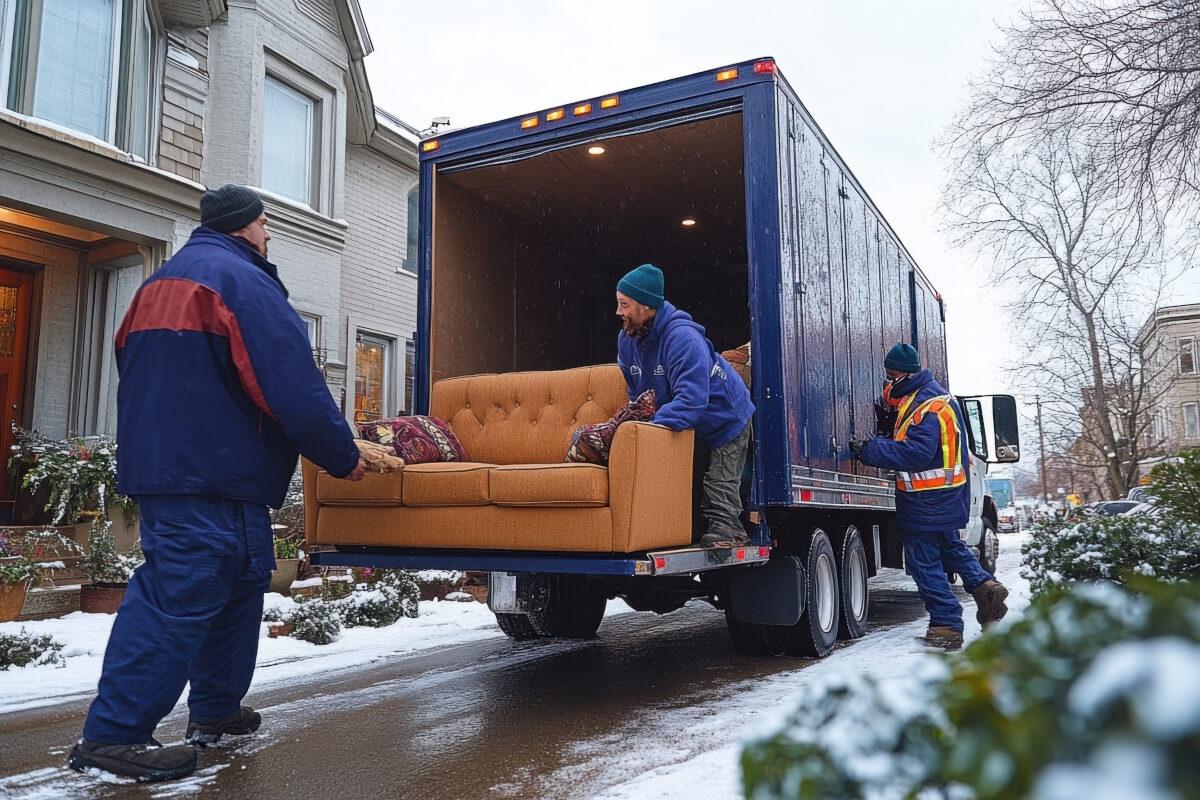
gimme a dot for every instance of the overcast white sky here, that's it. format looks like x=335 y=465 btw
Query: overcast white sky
x=883 y=78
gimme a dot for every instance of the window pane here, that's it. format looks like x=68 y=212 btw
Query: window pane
x=138 y=137
x=74 y=65
x=370 y=379
x=413 y=231
x=287 y=142
x=410 y=375
x=1191 y=421
x=1187 y=356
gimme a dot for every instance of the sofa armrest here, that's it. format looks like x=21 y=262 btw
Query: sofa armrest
x=650 y=487
x=308 y=471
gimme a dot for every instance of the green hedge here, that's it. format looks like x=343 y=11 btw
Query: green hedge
x=1096 y=688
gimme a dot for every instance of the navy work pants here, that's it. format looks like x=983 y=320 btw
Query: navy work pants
x=929 y=557
x=192 y=613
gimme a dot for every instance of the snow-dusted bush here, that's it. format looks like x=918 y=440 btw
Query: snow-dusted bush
x=1113 y=549
x=393 y=595
x=22 y=648
x=102 y=563
x=1095 y=692
x=316 y=621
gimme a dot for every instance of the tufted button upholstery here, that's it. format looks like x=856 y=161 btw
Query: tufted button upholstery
x=526 y=417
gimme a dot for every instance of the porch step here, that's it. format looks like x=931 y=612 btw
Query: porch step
x=50 y=602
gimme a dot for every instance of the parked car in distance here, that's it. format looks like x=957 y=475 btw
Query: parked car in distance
x=1007 y=520
x=1109 y=508
x=1138 y=493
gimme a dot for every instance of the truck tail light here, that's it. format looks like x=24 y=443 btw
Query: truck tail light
x=805 y=495
x=660 y=563
x=741 y=554
x=764 y=68
x=610 y=102
x=726 y=75
x=763 y=552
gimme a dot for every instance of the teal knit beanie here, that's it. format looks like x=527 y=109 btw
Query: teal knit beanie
x=644 y=284
x=903 y=358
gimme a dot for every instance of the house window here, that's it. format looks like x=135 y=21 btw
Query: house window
x=312 y=323
x=410 y=375
x=109 y=291
x=289 y=142
x=1187 y=356
x=414 y=230
x=1191 y=420
x=87 y=65
x=372 y=377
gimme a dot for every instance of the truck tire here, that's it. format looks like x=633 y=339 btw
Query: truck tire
x=852 y=580
x=565 y=606
x=516 y=626
x=989 y=546
x=816 y=632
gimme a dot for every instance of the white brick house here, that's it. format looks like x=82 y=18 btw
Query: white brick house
x=114 y=117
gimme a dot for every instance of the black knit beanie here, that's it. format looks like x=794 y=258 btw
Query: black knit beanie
x=229 y=208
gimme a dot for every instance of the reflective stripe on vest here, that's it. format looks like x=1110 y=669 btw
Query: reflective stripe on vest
x=952 y=474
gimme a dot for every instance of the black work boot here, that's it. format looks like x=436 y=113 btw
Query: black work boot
x=723 y=538
x=144 y=762
x=202 y=734
x=989 y=602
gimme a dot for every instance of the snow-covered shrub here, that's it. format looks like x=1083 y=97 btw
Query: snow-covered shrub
x=1094 y=689
x=1111 y=549
x=102 y=563
x=22 y=648
x=81 y=474
x=1176 y=486
x=316 y=621
x=394 y=594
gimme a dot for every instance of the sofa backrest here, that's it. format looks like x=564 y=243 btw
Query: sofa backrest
x=526 y=417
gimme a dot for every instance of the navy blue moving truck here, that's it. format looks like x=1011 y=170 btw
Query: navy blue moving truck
x=724 y=180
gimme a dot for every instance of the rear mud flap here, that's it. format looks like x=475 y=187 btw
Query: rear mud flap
x=772 y=594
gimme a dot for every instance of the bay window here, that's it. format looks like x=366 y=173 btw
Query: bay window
x=87 y=65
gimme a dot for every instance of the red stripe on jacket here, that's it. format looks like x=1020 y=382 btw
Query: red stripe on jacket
x=176 y=304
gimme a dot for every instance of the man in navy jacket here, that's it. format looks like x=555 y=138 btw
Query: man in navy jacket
x=661 y=348
x=218 y=395
x=922 y=437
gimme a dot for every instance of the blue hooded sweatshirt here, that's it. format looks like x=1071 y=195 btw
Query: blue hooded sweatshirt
x=935 y=510
x=218 y=386
x=694 y=387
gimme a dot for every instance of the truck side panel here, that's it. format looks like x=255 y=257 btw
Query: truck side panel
x=835 y=204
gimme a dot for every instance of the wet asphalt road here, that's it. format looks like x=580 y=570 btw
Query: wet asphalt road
x=480 y=720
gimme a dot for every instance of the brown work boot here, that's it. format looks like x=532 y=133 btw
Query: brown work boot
x=989 y=602
x=944 y=637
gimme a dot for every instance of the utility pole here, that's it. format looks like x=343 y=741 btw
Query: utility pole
x=1041 y=445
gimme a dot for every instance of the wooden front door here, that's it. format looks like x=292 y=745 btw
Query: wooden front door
x=16 y=302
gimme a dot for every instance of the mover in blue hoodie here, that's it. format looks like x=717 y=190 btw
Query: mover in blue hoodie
x=218 y=392
x=662 y=348
x=923 y=439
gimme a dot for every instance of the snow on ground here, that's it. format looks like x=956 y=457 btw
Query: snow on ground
x=694 y=753
x=440 y=624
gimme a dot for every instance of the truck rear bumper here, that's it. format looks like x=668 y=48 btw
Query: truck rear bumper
x=664 y=562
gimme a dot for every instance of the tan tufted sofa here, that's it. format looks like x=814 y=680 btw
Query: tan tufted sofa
x=515 y=492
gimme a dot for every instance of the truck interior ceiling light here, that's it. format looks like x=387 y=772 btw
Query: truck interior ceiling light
x=583 y=108
x=596 y=150
x=555 y=115
x=764 y=67
x=432 y=144
x=688 y=222
x=529 y=123
x=726 y=75
x=610 y=102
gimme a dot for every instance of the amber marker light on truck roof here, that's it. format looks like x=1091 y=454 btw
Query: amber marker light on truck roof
x=429 y=146
x=556 y=115
x=529 y=123
x=610 y=102
x=726 y=75
x=688 y=222
x=596 y=150
x=583 y=108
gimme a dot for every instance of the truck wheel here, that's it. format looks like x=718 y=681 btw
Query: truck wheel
x=565 y=606
x=852 y=579
x=989 y=546
x=814 y=635
x=516 y=626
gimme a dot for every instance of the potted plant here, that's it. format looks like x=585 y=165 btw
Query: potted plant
x=15 y=576
x=108 y=570
x=287 y=564
x=77 y=476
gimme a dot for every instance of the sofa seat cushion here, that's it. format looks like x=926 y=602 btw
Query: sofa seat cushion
x=375 y=489
x=564 y=485
x=454 y=483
